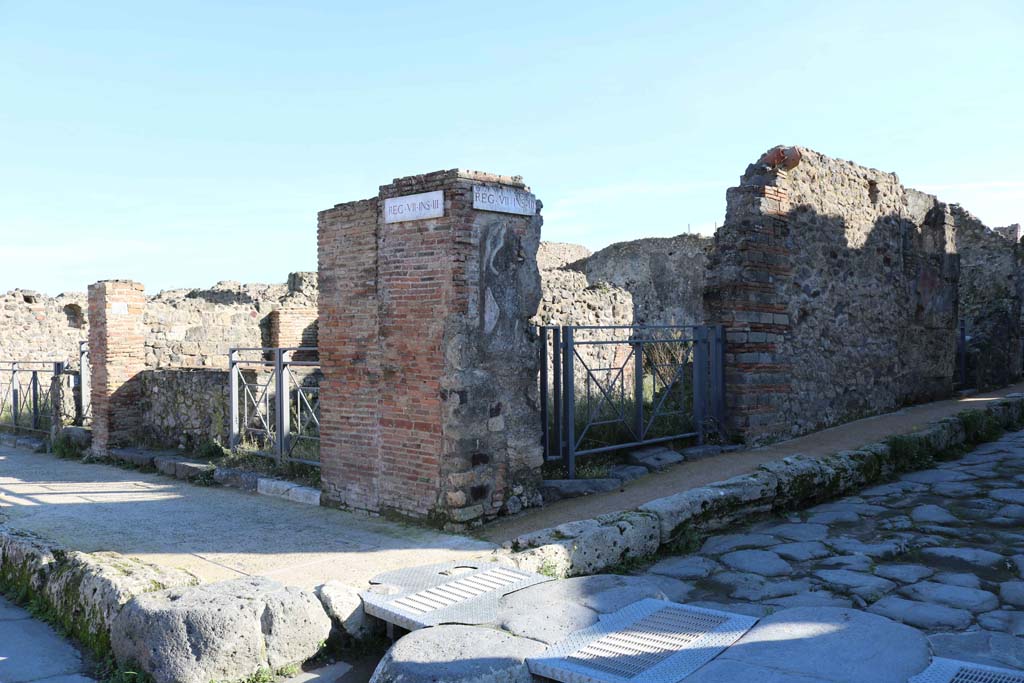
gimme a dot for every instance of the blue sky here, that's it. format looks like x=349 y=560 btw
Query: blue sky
x=184 y=143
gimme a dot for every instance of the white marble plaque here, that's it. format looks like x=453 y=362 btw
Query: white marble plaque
x=119 y=308
x=504 y=199
x=414 y=207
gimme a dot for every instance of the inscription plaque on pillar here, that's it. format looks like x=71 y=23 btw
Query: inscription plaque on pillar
x=414 y=207
x=504 y=200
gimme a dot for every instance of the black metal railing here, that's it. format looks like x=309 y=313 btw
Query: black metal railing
x=275 y=403
x=607 y=388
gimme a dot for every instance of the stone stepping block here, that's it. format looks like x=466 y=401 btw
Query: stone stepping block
x=817 y=644
x=229 y=630
x=458 y=654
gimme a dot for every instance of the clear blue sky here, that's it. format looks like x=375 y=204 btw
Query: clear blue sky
x=188 y=142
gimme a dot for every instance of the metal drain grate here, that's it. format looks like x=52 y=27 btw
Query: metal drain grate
x=650 y=641
x=954 y=671
x=450 y=593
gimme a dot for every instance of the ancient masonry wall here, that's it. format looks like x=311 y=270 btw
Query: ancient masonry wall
x=838 y=288
x=36 y=327
x=192 y=328
x=429 y=391
x=184 y=408
x=990 y=293
x=116 y=356
x=664 y=276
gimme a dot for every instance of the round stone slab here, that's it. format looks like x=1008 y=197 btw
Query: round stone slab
x=820 y=644
x=458 y=654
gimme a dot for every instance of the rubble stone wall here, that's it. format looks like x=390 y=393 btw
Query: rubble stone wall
x=183 y=328
x=990 y=299
x=184 y=408
x=838 y=288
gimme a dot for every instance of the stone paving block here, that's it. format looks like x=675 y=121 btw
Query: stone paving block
x=921 y=614
x=971 y=599
x=763 y=562
x=982 y=647
x=904 y=573
x=863 y=585
x=799 y=532
x=958 y=579
x=802 y=552
x=685 y=567
x=820 y=644
x=932 y=514
x=31 y=650
x=1008 y=621
x=725 y=543
x=1012 y=592
x=965 y=557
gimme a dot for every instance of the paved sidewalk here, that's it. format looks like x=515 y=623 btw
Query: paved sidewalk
x=215 y=533
x=32 y=651
x=698 y=473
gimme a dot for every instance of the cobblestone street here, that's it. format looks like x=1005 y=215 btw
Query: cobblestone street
x=941 y=550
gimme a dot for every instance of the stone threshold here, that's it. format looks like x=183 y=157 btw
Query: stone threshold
x=199 y=471
x=681 y=521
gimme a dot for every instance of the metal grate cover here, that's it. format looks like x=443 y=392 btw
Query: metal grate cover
x=954 y=671
x=448 y=593
x=650 y=641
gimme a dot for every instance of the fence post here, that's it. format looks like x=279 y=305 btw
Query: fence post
x=700 y=378
x=542 y=333
x=15 y=392
x=57 y=402
x=34 y=383
x=282 y=405
x=233 y=438
x=638 y=389
x=556 y=400
x=718 y=375
x=569 y=394
x=85 y=382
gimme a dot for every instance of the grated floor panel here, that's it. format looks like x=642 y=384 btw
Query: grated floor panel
x=650 y=641
x=954 y=671
x=449 y=593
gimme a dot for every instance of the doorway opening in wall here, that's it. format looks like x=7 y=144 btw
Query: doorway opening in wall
x=607 y=389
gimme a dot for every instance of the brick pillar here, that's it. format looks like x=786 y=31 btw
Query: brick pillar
x=116 y=355
x=428 y=404
x=748 y=272
x=293 y=327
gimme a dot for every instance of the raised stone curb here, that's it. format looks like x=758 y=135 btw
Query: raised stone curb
x=794 y=482
x=80 y=592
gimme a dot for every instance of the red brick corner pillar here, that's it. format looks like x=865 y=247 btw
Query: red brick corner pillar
x=428 y=403
x=116 y=355
x=293 y=326
x=748 y=271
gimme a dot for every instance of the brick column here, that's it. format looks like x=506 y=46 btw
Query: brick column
x=116 y=356
x=429 y=396
x=747 y=274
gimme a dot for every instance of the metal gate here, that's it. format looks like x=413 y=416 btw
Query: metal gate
x=26 y=394
x=606 y=388
x=275 y=403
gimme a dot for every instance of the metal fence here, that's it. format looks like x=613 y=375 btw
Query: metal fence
x=275 y=403
x=606 y=388
x=27 y=389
